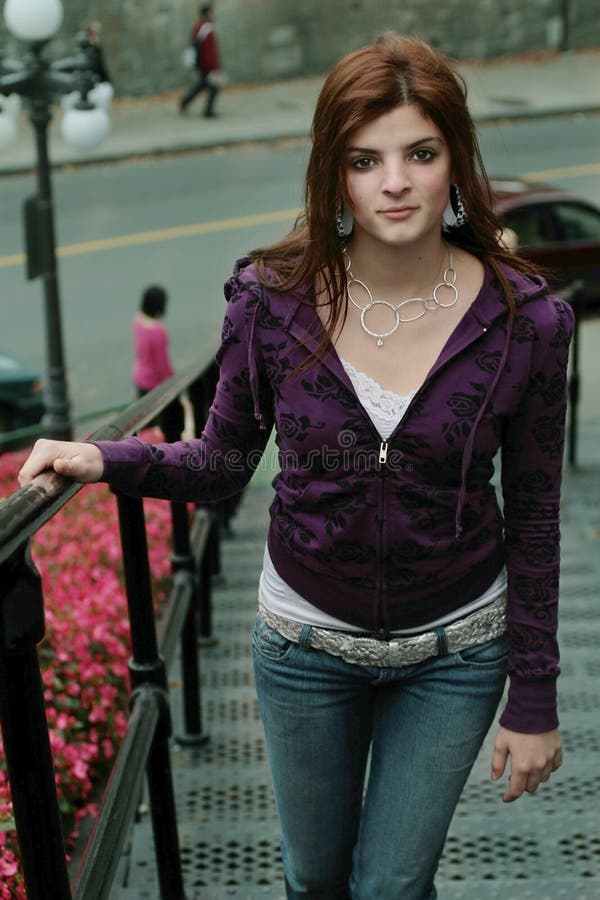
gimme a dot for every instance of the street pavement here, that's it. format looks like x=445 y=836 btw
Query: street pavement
x=543 y=84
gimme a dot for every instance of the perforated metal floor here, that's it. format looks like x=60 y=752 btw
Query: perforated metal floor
x=544 y=847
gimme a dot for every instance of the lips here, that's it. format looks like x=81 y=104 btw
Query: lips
x=397 y=212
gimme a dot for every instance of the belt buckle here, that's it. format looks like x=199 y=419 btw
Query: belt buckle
x=382 y=636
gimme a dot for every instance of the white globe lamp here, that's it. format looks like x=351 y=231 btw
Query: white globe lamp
x=33 y=20
x=84 y=129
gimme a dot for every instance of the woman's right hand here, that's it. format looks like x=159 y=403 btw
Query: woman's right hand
x=82 y=462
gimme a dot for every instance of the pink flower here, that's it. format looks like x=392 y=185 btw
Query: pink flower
x=98 y=714
x=80 y=770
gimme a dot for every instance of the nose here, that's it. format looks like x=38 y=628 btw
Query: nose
x=395 y=177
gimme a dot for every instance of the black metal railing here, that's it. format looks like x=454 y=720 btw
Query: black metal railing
x=145 y=747
x=575 y=295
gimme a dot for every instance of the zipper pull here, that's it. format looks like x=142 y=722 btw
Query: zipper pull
x=383 y=449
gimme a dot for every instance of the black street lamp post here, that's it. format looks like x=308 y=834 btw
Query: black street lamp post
x=40 y=83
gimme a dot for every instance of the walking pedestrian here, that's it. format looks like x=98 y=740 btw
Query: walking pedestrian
x=398 y=349
x=152 y=362
x=204 y=39
x=91 y=40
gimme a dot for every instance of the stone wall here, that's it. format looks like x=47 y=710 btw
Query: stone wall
x=262 y=40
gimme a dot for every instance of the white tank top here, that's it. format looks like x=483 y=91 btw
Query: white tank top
x=385 y=409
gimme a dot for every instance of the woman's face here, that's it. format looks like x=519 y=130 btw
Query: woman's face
x=398 y=172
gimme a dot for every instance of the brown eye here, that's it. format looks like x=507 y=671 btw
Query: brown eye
x=362 y=162
x=423 y=155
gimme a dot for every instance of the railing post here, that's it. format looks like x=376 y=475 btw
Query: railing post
x=205 y=575
x=182 y=561
x=577 y=300
x=146 y=667
x=221 y=525
x=25 y=731
x=201 y=393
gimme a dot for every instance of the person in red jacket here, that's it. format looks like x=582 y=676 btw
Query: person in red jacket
x=204 y=39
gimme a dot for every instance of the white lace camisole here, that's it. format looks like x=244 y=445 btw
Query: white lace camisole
x=385 y=409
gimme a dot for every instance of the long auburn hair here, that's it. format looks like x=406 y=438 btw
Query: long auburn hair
x=368 y=82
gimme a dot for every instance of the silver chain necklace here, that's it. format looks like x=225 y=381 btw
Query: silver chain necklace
x=448 y=281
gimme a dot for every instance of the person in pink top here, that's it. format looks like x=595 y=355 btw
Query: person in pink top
x=152 y=363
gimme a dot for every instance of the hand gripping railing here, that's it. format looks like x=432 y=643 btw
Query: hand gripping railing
x=145 y=746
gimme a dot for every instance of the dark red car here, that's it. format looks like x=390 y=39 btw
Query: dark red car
x=558 y=230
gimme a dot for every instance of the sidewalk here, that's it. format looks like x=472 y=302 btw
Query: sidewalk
x=542 y=85
x=544 y=847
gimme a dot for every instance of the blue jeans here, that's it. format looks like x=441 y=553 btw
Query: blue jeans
x=368 y=763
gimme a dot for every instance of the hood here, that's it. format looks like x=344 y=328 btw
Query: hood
x=491 y=305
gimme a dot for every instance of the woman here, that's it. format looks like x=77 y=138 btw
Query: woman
x=396 y=346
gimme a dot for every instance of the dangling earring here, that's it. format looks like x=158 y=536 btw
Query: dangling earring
x=344 y=220
x=455 y=214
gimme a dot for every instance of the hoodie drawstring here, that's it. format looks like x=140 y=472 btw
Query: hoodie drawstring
x=470 y=443
x=252 y=356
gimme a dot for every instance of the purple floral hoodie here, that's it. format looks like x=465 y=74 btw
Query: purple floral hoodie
x=394 y=534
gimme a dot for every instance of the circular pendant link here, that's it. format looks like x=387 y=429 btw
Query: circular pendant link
x=380 y=335
x=451 y=287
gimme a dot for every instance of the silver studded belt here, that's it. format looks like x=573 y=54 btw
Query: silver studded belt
x=476 y=628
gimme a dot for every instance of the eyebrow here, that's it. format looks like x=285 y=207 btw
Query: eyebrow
x=418 y=143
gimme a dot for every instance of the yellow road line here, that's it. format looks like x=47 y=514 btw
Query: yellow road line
x=564 y=172
x=162 y=234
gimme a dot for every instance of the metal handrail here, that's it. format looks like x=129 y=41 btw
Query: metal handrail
x=24 y=724
x=120 y=801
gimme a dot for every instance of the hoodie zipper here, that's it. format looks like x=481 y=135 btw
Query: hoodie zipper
x=382 y=514
x=382 y=458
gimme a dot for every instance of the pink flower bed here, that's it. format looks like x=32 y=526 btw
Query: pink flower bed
x=85 y=650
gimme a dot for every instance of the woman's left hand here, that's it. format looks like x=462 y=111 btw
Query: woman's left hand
x=533 y=757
